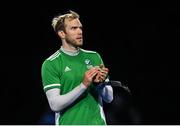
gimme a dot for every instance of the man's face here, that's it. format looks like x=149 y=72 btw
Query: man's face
x=73 y=32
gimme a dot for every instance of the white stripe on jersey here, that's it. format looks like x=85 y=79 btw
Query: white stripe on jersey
x=88 y=51
x=50 y=85
x=57 y=116
x=53 y=56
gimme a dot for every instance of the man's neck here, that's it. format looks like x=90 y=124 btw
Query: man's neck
x=70 y=48
x=69 y=51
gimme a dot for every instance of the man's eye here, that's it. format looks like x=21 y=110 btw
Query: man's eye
x=74 y=27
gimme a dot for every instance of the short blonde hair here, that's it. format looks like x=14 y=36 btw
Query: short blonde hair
x=58 y=21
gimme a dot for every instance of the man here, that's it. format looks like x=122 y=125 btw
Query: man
x=71 y=77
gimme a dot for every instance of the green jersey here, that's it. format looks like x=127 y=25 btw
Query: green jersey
x=65 y=72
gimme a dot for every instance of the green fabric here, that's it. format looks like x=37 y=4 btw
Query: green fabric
x=68 y=71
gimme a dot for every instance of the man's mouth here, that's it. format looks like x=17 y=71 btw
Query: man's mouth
x=79 y=38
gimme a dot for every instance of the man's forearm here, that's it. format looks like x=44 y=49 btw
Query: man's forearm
x=58 y=102
x=106 y=93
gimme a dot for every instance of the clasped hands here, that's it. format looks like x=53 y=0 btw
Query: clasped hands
x=95 y=74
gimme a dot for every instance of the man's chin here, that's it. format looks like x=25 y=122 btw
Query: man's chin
x=79 y=44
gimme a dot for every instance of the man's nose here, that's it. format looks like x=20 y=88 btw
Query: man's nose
x=79 y=30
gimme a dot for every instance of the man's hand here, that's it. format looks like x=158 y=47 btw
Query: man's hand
x=102 y=74
x=89 y=76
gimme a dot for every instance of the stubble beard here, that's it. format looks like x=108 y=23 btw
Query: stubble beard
x=75 y=43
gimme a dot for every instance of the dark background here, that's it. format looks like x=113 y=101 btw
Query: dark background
x=138 y=41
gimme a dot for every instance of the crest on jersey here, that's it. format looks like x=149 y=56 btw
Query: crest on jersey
x=88 y=63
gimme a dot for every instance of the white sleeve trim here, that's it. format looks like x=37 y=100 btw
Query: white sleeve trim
x=50 y=85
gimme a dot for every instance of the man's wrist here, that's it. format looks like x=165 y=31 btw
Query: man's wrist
x=83 y=86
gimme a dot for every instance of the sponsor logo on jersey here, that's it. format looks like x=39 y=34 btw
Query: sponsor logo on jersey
x=89 y=66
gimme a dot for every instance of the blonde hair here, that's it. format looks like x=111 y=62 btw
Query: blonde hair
x=58 y=21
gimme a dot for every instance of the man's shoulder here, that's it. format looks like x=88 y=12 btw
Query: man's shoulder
x=54 y=56
x=89 y=51
x=52 y=60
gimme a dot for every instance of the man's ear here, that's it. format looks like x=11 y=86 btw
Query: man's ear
x=61 y=34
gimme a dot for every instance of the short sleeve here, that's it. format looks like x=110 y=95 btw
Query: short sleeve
x=101 y=62
x=100 y=59
x=50 y=76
